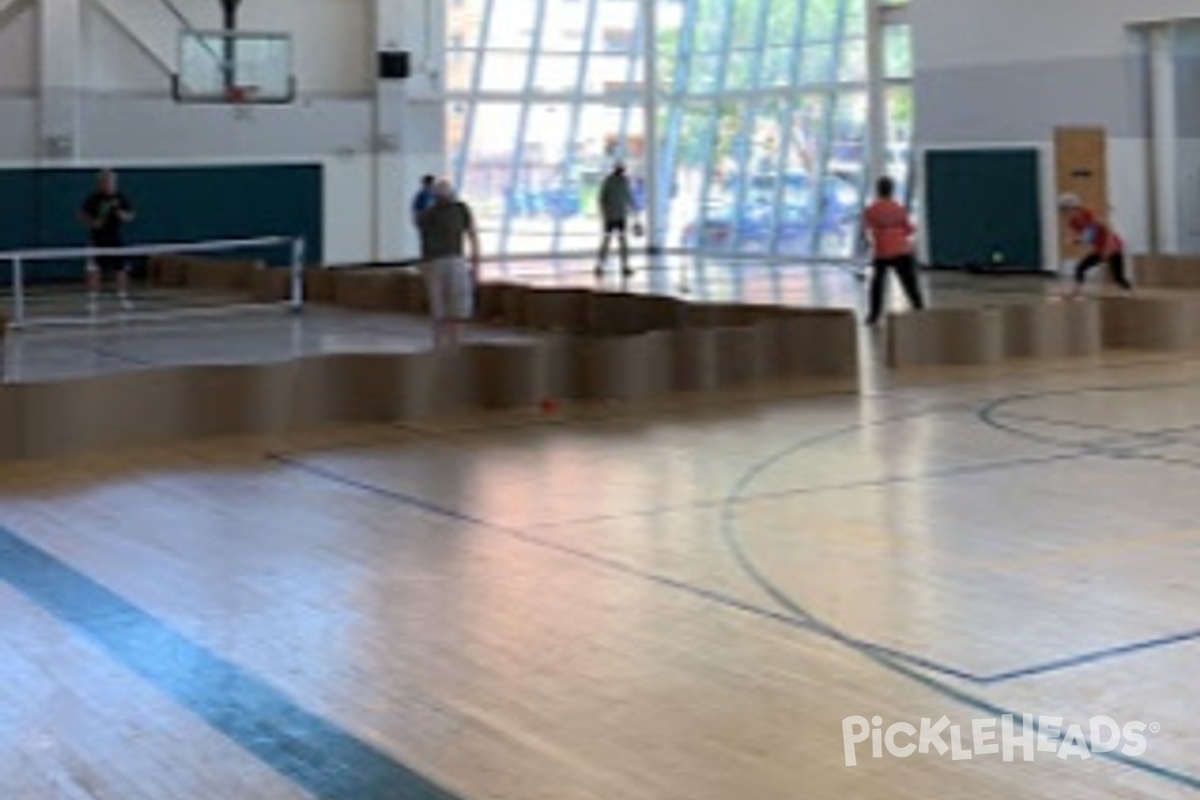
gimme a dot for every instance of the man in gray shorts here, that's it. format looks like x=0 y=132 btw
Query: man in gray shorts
x=449 y=280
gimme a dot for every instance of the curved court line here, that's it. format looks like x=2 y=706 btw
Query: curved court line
x=1164 y=435
x=700 y=592
x=730 y=532
x=1126 y=445
x=871 y=483
x=990 y=414
x=421 y=504
x=899 y=662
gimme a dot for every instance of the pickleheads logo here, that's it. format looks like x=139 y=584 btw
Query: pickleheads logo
x=1006 y=737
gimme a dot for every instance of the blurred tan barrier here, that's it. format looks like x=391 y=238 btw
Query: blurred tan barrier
x=695 y=359
x=1052 y=330
x=370 y=289
x=414 y=299
x=1151 y=323
x=625 y=367
x=272 y=284
x=320 y=285
x=167 y=270
x=626 y=314
x=510 y=375
x=1167 y=272
x=607 y=346
x=557 y=310
x=203 y=273
x=820 y=341
x=489 y=303
x=1161 y=323
x=152 y=406
x=946 y=336
x=513 y=304
x=739 y=358
x=719 y=315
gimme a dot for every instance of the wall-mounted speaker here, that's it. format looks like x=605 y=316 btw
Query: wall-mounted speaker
x=394 y=64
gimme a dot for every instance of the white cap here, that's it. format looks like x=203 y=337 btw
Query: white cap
x=1069 y=200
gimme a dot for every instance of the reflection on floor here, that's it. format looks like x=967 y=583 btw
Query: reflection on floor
x=247 y=336
x=837 y=285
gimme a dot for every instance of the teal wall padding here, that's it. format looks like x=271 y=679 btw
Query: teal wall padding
x=984 y=208
x=38 y=208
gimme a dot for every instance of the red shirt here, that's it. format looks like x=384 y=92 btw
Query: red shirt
x=890 y=229
x=1095 y=234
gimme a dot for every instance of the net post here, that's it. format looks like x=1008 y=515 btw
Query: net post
x=297 y=292
x=18 y=291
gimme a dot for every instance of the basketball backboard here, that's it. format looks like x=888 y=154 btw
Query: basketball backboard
x=234 y=67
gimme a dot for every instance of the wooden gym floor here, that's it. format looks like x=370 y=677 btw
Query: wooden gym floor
x=684 y=601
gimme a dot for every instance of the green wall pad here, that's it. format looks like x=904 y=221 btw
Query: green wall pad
x=984 y=209
x=174 y=204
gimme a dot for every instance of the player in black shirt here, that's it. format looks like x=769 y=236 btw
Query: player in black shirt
x=105 y=212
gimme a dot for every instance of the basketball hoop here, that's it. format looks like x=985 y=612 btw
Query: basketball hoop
x=241 y=97
x=242 y=93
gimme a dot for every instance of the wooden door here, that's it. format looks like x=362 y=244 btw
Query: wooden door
x=1081 y=163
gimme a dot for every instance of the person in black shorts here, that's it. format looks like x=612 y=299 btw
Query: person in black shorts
x=616 y=203
x=105 y=212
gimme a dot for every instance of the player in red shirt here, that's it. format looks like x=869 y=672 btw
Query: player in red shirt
x=1103 y=243
x=887 y=224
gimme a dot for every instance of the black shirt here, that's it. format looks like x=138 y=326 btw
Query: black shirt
x=102 y=208
x=443 y=226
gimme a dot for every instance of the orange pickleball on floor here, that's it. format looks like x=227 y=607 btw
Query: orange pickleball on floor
x=549 y=405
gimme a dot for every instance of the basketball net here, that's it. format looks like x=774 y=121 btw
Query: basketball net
x=241 y=98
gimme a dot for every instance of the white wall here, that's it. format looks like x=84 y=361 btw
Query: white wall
x=975 y=32
x=1009 y=72
x=1185 y=41
x=18 y=62
x=111 y=60
x=331 y=41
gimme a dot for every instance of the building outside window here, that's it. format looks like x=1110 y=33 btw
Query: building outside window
x=759 y=109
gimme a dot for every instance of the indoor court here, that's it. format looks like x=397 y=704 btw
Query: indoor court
x=250 y=336
x=599 y=400
x=679 y=602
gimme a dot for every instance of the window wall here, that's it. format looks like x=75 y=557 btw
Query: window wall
x=749 y=118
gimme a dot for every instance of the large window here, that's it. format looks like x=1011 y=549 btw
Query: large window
x=757 y=110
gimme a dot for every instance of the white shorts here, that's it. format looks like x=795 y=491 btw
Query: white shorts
x=451 y=291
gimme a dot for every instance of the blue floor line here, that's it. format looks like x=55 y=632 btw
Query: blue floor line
x=321 y=758
x=700 y=592
x=1093 y=657
x=400 y=497
x=730 y=533
x=717 y=597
